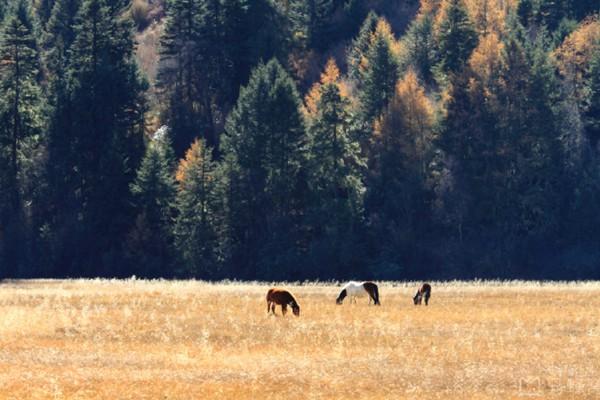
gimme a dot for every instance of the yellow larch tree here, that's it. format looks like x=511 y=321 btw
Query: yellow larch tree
x=575 y=53
x=407 y=125
x=330 y=75
x=486 y=60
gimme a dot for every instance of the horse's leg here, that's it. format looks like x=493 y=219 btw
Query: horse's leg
x=427 y=299
x=273 y=308
x=268 y=306
x=283 y=309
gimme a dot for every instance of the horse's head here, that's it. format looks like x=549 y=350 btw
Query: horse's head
x=341 y=297
x=417 y=298
x=296 y=309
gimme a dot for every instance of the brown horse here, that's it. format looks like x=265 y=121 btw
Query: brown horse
x=424 y=291
x=283 y=298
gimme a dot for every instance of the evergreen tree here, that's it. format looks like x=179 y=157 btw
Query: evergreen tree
x=360 y=46
x=398 y=197
x=59 y=193
x=59 y=35
x=528 y=117
x=20 y=127
x=44 y=10
x=105 y=124
x=181 y=74
x=421 y=51
x=199 y=207
x=457 y=36
x=336 y=180
x=311 y=22
x=502 y=131
x=150 y=242
x=265 y=155
x=380 y=74
x=207 y=50
x=525 y=12
x=592 y=109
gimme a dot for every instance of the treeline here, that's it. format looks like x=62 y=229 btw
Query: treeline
x=465 y=146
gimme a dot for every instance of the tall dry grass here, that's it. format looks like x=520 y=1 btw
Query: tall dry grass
x=105 y=339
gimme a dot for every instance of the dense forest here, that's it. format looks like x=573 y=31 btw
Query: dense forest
x=300 y=139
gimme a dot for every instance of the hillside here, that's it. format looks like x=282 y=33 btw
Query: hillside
x=300 y=139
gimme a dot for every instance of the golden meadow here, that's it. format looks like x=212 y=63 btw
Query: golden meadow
x=132 y=339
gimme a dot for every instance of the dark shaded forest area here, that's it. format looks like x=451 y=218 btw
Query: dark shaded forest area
x=300 y=139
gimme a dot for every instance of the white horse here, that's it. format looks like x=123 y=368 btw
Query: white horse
x=359 y=289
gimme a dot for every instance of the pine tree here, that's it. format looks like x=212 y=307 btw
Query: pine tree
x=207 y=50
x=311 y=22
x=380 y=72
x=456 y=37
x=57 y=40
x=104 y=121
x=181 y=76
x=421 y=51
x=198 y=224
x=150 y=243
x=44 y=10
x=398 y=195
x=59 y=35
x=592 y=109
x=21 y=124
x=336 y=179
x=360 y=46
x=265 y=154
x=2 y=12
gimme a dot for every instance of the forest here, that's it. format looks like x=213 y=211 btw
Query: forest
x=300 y=139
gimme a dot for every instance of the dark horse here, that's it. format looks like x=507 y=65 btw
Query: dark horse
x=283 y=298
x=424 y=292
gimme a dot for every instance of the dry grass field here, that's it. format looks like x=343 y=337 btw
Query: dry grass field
x=105 y=339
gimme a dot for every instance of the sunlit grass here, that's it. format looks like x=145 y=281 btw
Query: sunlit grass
x=176 y=340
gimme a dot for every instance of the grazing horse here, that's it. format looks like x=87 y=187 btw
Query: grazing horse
x=424 y=291
x=359 y=289
x=283 y=298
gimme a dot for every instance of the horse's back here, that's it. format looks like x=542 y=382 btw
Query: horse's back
x=279 y=296
x=354 y=288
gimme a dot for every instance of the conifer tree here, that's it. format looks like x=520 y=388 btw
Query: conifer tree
x=311 y=23
x=105 y=124
x=150 y=243
x=21 y=124
x=360 y=46
x=398 y=197
x=457 y=36
x=44 y=10
x=592 y=110
x=181 y=74
x=197 y=226
x=336 y=178
x=265 y=155
x=380 y=73
x=421 y=51
x=56 y=42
